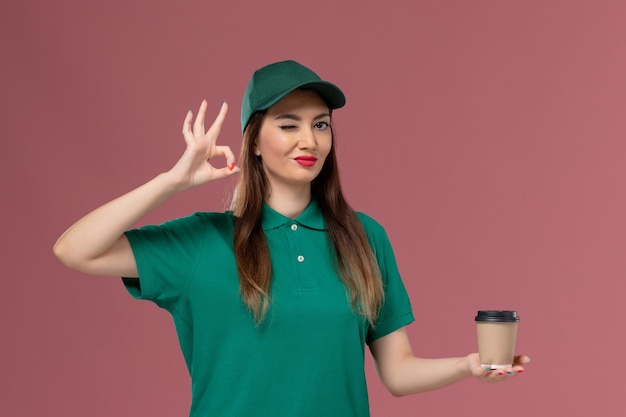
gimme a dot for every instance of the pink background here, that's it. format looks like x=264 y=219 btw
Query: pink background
x=488 y=137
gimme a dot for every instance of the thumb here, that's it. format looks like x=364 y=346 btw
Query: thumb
x=228 y=171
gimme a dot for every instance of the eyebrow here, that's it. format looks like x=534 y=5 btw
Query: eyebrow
x=298 y=118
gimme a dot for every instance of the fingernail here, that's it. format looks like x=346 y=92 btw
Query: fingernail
x=232 y=166
x=520 y=371
x=509 y=372
x=488 y=368
x=500 y=372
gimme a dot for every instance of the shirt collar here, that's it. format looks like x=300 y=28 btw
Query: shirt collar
x=311 y=217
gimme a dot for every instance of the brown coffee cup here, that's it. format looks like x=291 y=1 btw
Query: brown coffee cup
x=497 y=333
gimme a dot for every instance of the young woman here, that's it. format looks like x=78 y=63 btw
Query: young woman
x=275 y=300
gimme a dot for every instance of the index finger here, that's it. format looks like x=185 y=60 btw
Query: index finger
x=198 y=126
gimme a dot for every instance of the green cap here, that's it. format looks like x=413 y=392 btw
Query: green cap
x=273 y=82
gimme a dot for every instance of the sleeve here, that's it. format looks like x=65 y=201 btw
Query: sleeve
x=166 y=257
x=396 y=310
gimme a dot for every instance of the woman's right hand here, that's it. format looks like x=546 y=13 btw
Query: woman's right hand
x=196 y=166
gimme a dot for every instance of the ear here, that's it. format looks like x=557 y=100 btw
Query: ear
x=257 y=151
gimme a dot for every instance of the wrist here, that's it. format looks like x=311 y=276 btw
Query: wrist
x=464 y=365
x=171 y=183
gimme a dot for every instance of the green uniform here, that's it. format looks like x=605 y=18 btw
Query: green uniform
x=307 y=357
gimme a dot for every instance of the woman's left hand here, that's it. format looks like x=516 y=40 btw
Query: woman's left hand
x=496 y=375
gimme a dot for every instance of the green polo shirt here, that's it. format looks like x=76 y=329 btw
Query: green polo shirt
x=307 y=357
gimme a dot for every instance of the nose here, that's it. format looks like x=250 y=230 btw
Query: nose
x=307 y=139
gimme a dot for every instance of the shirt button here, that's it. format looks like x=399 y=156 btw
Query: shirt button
x=300 y=258
x=294 y=227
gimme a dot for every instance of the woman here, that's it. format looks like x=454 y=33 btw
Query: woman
x=275 y=300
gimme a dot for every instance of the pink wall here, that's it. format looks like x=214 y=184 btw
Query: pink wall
x=487 y=136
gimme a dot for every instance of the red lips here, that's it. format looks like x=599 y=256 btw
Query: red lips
x=306 y=160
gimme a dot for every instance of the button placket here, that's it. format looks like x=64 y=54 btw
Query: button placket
x=294 y=227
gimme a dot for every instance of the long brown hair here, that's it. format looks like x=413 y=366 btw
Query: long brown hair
x=357 y=265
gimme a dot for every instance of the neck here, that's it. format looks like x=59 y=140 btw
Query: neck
x=289 y=201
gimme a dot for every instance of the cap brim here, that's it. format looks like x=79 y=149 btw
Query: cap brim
x=331 y=94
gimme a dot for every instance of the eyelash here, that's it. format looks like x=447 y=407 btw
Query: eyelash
x=317 y=126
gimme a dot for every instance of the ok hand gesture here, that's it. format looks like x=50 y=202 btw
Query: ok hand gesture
x=194 y=168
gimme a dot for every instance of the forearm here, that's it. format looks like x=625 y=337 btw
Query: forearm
x=95 y=233
x=414 y=375
x=402 y=373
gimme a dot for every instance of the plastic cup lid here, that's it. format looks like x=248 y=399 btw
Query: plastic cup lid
x=497 y=316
